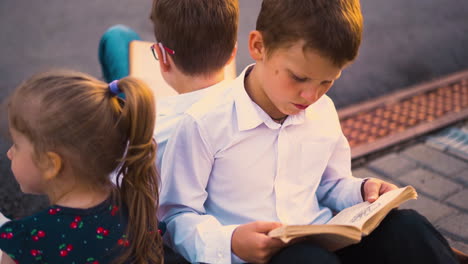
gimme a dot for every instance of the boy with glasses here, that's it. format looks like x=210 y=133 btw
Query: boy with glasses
x=269 y=150
x=195 y=40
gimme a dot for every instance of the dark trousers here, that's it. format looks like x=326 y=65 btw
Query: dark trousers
x=404 y=236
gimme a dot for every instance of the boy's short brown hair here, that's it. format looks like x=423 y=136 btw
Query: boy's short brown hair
x=202 y=33
x=331 y=27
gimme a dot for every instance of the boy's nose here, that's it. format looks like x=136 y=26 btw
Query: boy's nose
x=310 y=93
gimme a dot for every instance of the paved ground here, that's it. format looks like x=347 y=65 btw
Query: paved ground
x=405 y=41
x=437 y=166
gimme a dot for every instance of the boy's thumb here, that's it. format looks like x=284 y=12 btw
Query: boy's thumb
x=265 y=227
x=372 y=196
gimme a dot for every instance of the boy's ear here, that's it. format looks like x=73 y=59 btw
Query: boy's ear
x=165 y=66
x=52 y=165
x=256 y=45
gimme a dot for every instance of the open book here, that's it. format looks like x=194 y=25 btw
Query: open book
x=349 y=225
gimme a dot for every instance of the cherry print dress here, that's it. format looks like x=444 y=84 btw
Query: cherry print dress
x=66 y=235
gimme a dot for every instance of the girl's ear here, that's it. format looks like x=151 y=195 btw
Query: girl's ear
x=256 y=45
x=52 y=165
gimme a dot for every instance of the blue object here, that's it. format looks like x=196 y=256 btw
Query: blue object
x=114 y=51
x=114 y=88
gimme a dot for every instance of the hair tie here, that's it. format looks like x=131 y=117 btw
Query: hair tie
x=115 y=90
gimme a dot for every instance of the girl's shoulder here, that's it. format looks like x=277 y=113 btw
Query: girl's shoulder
x=59 y=234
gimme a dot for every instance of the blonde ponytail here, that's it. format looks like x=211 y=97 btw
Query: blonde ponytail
x=139 y=179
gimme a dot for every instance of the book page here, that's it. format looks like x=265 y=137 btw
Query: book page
x=331 y=237
x=358 y=214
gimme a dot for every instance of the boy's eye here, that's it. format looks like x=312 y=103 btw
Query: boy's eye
x=298 y=79
x=327 y=82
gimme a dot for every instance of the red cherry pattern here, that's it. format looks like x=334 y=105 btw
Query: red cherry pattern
x=35 y=252
x=123 y=242
x=114 y=209
x=5 y=235
x=101 y=231
x=36 y=235
x=8 y=234
x=54 y=211
x=77 y=223
x=65 y=249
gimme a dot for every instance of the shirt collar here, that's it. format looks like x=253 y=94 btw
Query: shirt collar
x=178 y=104
x=250 y=115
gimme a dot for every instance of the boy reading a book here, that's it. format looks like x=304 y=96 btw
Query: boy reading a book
x=268 y=150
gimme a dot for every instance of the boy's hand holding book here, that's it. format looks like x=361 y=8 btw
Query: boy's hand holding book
x=348 y=226
x=372 y=188
x=251 y=243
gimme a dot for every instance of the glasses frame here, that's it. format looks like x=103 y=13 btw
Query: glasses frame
x=163 y=49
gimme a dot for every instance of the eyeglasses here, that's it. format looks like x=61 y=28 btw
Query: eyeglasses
x=164 y=49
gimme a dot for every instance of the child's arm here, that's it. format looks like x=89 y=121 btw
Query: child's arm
x=341 y=190
x=5 y=259
x=338 y=189
x=186 y=168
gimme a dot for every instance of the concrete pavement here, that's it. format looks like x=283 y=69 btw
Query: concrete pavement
x=437 y=166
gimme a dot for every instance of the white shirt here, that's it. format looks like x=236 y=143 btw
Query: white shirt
x=3 y=220
x=228 y=163
x=170 y=110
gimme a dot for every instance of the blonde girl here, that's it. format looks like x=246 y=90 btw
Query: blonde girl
x=70 y=132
